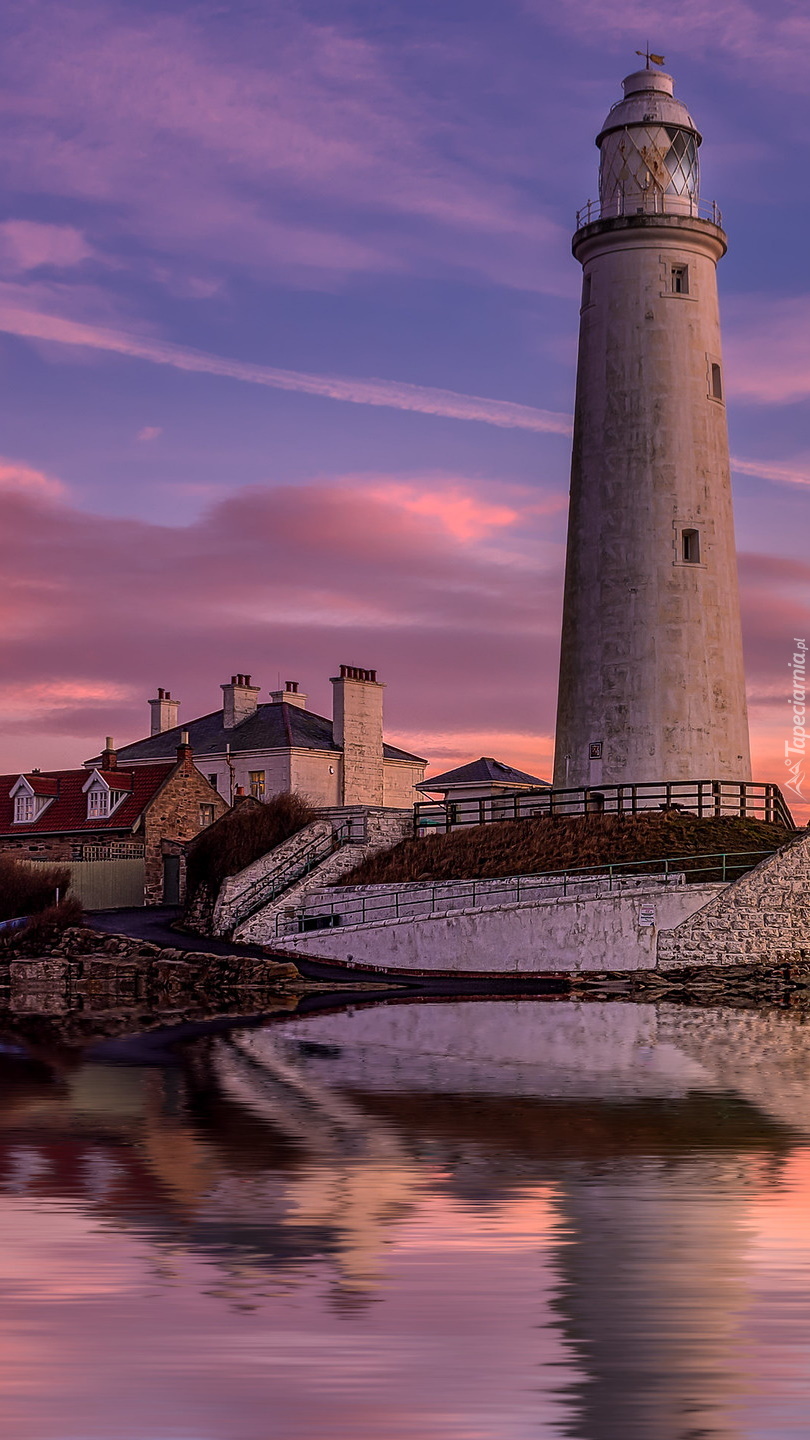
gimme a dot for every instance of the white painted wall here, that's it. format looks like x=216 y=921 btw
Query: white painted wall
x=601 y=932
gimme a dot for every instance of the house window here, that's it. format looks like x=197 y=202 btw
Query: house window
x=679 y=279
x=98 y=804
x=213 y=782
x=690 y=547
x=257 y=784
x=23 y=809
x=717 y=382
x=206 y=816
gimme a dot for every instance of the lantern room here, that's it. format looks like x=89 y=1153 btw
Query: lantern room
x=649 y=151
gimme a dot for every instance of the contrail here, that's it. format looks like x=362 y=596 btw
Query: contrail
x=772 y=470
x=395 y=394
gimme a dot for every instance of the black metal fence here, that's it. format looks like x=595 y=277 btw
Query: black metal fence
x=750 y=799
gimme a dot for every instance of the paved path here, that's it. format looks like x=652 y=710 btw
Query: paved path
x=154 y=924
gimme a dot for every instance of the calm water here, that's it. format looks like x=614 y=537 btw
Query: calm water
x=478 y=1220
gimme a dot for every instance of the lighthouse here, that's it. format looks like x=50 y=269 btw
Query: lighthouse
x=651 y=675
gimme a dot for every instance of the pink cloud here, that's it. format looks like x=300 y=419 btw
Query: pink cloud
x=27 y=245
x=767 y=344
x=290 y=579
x=464 y=516
x=15 y=476
x=763 y=38
x=207 y=151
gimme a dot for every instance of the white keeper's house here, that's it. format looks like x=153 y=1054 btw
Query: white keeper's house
x=263 y=749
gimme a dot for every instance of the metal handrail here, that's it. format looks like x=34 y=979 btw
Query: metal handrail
x=705 y=798
x=264 y=889
x=405 y=904
x=653 y=202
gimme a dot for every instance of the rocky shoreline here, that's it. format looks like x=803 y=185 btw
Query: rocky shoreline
x=87 y=969
x=783 y=983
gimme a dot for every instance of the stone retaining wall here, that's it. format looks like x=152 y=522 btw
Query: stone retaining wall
x=761 y=918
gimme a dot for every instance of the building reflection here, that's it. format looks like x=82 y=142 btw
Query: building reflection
x=320 y=1137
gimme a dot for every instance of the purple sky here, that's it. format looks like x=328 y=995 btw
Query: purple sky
x=289 y=320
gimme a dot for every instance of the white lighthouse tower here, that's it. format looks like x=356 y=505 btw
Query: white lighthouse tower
x=651 y=677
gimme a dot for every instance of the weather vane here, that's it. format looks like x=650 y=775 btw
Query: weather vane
x=648 y=56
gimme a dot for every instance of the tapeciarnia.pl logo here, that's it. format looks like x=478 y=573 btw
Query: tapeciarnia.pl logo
x=797 y=745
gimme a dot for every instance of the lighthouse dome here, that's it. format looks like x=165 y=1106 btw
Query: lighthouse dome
x=649 y=150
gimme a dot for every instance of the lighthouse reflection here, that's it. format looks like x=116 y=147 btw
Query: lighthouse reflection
x=594 y=1165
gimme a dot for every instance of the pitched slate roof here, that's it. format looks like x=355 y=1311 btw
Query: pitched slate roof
x=67 y=813
x=276 y=726
x=484 y=771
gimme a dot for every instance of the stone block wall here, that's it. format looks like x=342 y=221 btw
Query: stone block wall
x=61 y=849
x=764 y=917
x=175 y=815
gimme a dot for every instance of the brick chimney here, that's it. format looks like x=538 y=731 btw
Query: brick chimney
x=358 y=731
x=239 y=700
x=164 y=712
x=109 y=758
x=290 y=695
x=185 y=754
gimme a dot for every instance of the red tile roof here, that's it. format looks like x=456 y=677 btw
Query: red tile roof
x=116 y=779
x=42 y=784
x=67 y=813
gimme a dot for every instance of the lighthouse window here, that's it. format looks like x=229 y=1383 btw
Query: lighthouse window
x=680 y=279
x=717 y=383
x=691 y=547
x=586 y=290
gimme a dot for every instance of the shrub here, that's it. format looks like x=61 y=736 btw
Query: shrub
x=44 y=929
x=29 y=889
x=242 y=836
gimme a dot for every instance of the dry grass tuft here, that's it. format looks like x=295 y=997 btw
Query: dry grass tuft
x=28 y=889
x=242 y=836
x=533 y=846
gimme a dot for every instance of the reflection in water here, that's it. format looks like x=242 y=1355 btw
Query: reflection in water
x=466 y=1220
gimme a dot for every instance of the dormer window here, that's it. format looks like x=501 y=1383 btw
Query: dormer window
x=98 y=804
x=103 y=795
x=29 y=801
x=24 y=809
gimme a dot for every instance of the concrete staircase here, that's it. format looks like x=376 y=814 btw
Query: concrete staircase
x=280 y=912
x=249 y=903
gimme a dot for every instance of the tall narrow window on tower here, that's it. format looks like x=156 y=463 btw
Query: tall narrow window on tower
x=690 y=547
x=717 y=382
x=680 y=279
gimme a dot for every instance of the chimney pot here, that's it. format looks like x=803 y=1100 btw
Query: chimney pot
x=163 y=711
x=239 y=700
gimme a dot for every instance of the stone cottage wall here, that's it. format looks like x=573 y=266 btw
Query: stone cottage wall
x=175 y=815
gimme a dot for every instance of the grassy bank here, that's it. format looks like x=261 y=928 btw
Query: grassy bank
x=530 y=847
